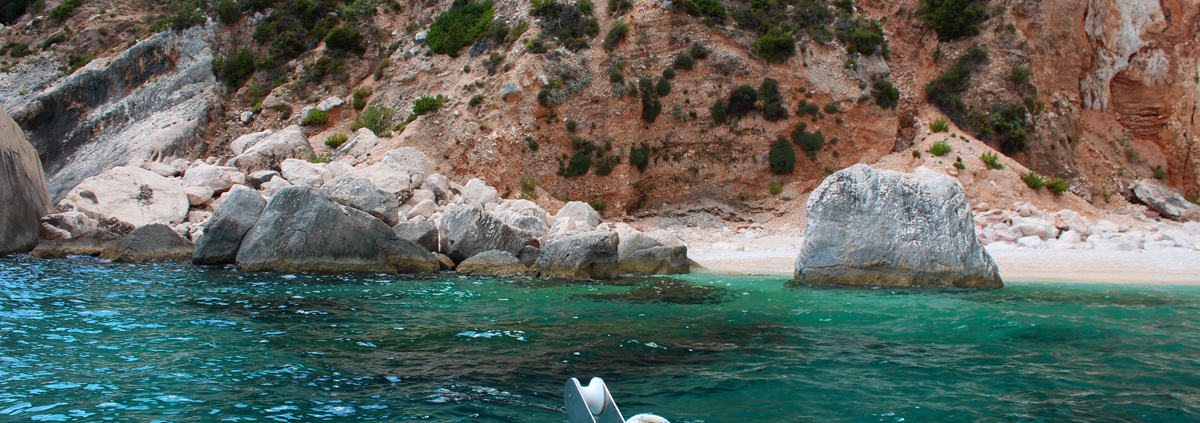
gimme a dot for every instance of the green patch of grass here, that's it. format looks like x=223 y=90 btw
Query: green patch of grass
x=1159 y=173
x=939 y=125
x=359 y=101
x=1033 y=180
x=775 y=187
x=476 y=100
x=615 y=35
x=718 y=111
x=1057 y=186
x=336 y=140
x=75 y=62
x=640 y=157
x=569 y=23
x=959 y=165
x=863 y=36
x=945 y=91
x=711 y=10
x=775 y=46
x=342 y=39
x=940 y=148
x=991 y=160
x=886 y=95
x=916 y=154
x=377 y=118
x=65 y=9
x=1020 y=74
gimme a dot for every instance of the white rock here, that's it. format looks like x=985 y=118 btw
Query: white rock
x=1027 y=226
x=198 y=217
x=527 y=208
x=269 y=188
x=300 y=172
x=1177 y=237
x=164 y=169
x=358 y=146
x=1070 y=237
x=198 y=195
x=247 y=116
x=386 y=176
x=419 y=195
x=477 y=193
x=329 y=104
x=411 y=160
x=239 y=145
x=1026 y=209
x=438 y=184
x=336 y=169
x=1159 y=245
x=1105 y=226
x=1031 y=242
x=216 y=178
x=270 y=152
x=424 y=209
x=580 y=212
x=134 y=195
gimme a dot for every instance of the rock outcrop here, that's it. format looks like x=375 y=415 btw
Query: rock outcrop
x=358 y=192
x=149 y=103
x=424 y=234
x=583 y=255
x=131 y=194
x=467 y=231
x=876 y=227
x=23 y=195
x=228 y=225
x=269 y=151
x=493 y=263
x=1165 y=201
x=303 y=230
x=641 y=254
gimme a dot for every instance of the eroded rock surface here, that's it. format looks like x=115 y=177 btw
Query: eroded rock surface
x=23 y=195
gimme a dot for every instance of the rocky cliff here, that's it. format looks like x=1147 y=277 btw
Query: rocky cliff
x=1098 y=93
x=22 y=191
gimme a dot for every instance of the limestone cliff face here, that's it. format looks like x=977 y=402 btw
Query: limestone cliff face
x=22 y=189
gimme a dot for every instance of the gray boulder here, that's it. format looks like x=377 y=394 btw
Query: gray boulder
x=581 y=255
x=493 y=263
x=151 y=101
x=422 y=233
x=641 y=254
x=256 y=179
x=467 y=231
x=223 y=233
x=92 y=243
x=358 y=192
x=23 y=193
x=1165 y=201
x=73 y=224
x=358 y=146
x=269 y=152
x=150 y=242
x=878 y=227
x=303 y=230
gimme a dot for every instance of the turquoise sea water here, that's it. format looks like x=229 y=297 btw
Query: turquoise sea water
x=85 y=340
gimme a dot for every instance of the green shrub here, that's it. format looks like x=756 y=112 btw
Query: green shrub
x=533 y=144
x=712 y=10
x=604 y=167
x=939 y=125
x=831 y=108
x=342 y=39
x=1057 y=186
x=18 y=50
x=886 y=95
x=425 y=105
x=683 y=61
x=1159 y=173
x=662 y=87
x=782 y=157
x=619 y=7
x=959 y=165
x=579 y=164
x=863 y=36
x=336 y=140
x=294 y=28
x=775 y=45
x=459 y=27
x=615 y=35
x=698 y=51
x=775 y=187
x=599 y=205
x=768 y=93
x=640 y=157
x=1008 y=127
x=940 y=148
x=916 y=154
x=651 y=106
x=668 y=73
x=65 y=9
x=376 y=118
x=991 y=160
x=718 y=111
x=742 y=100
x=1033 y=180
x=382 y=66
x=228 y=11
x=1020 y=74
x=572 y=125
x=12 y=10
x=952 y=19
x=946 y=90
x=811 y=142
x=235 y=69
x=359 y=100
x=186 y=15
x=315 y=117
x=566 y=22
x=326 y=67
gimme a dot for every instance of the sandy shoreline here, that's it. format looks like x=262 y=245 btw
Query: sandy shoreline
x=1016 y=265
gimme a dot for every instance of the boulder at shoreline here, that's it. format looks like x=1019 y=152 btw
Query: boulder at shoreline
x=301 y=229
x=23 y=195
x=228 y=225
x=877 y=227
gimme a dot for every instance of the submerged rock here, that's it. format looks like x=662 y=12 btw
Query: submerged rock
x=641 y=254
x=877 y=227
x=92 y=243
x=23 y=195
x=228 y=225
x=301 y=229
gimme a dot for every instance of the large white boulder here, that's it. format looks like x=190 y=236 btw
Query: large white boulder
x=477 y=193
x=131 y=194
x=301 y=172
x=411 y=160
x=239 y=145
x=269 y=152
x=217 y=178
x=580 y=214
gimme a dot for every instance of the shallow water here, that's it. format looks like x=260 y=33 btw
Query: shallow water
x=85 y=340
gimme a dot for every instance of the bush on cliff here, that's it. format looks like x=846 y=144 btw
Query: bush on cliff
x=376 y=118
x=235 y=69
x=782 y=156
x=459 y=27
x=952 y=19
